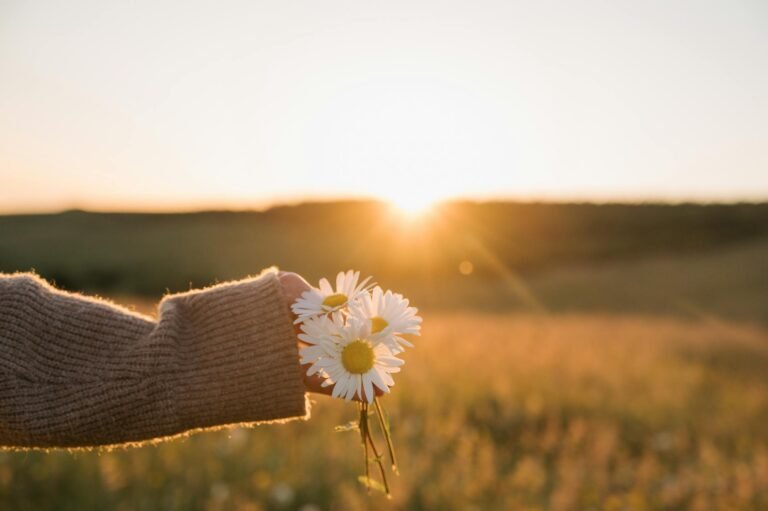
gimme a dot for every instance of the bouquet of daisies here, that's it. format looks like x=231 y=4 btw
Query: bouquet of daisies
x=354 y=332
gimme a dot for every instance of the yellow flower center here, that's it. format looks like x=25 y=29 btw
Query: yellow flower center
x=357 y=357
x=336 y=300
x=378 y=324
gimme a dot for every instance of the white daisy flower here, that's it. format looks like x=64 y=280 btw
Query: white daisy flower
x=319 y=332
x=315 y=302
x=352 y=337
x=351 y=359
x=389 y=317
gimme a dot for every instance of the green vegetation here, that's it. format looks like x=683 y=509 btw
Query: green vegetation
x=527 y=412
x=597 y=357
x=684 y=259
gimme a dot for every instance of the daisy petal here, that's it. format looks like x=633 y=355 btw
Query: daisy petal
x=368 y=387
x=377 y=380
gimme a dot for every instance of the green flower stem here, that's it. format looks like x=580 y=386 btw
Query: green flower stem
x=364 y=438
x=377 y=457
x=387 y=435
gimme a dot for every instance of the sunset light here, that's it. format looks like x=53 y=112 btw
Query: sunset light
x=219 y=215
x=414 y=204
x=277 y=101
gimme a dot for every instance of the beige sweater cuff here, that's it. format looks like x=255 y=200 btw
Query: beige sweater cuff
x=238 y=359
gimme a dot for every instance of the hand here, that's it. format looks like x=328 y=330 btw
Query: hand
x=293 y=287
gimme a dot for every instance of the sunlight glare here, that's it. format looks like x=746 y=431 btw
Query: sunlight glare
x=414 y=204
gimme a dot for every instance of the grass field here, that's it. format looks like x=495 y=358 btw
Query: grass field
x=597 y=357
x=563 y=412
x=689 y=260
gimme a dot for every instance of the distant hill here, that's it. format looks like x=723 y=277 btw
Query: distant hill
x=520 y=245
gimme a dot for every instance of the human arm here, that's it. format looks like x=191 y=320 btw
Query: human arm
x=77 y=371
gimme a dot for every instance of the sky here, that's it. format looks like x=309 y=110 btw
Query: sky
x=152 y=105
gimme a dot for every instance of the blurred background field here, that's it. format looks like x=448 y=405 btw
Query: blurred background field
x=574 y=194
x=690 y=259
x=574 y=356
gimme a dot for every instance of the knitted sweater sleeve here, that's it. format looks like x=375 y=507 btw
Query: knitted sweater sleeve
x=78 y=371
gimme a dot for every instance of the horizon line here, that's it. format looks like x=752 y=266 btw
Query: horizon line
x=264 y=206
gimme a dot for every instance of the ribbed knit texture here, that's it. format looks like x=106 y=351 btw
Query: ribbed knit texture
x=77 y=371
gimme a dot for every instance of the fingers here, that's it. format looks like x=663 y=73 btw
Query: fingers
x=293 y=286
x=314 y=383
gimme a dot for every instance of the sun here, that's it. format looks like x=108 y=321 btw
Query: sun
x=413 y=204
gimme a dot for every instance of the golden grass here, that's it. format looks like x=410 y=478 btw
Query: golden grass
x=491 y=412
